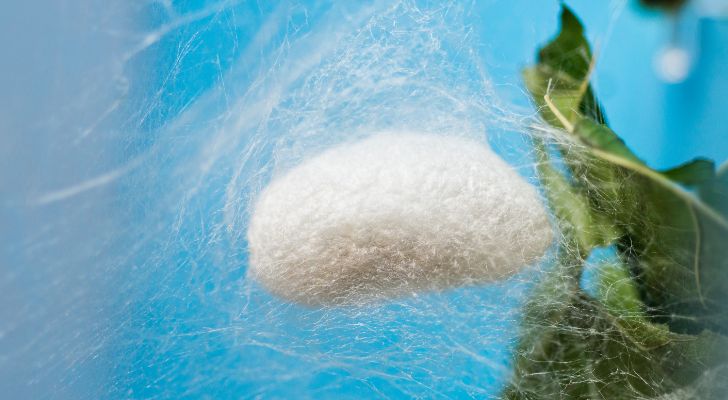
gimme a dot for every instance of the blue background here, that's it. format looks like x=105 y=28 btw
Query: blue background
x=665 y=123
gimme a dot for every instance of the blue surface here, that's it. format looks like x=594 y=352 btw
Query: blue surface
x=666 y=124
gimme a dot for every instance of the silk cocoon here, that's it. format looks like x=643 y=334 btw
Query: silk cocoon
x=394 y=214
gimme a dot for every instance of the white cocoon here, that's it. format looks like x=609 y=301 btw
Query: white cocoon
x=391 y=215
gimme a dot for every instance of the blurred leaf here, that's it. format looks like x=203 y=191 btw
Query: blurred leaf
x=575 y=347
x=648 y=331
x=598 y=136
x=667 y=5
x=569 y=51
x=715 y=191
x=673 y=238
x=567 y=97
x=617 y=291
x=692 y=173
x=571 y=207
x=562 y=71
x=711 y=385
x=665 y=231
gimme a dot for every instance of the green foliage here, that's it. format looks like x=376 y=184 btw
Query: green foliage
x=715 y=190
x=656 y=326
x=563 y=71
x=693 y=173
x=577 y=347
x=570 y=205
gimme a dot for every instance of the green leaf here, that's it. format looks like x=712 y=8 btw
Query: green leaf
x=569 y=52
x=565 y=93
x=654 y=327
x=715 y=191
x=598 y=136
x=664 y=230
x=617 y=291
x=692 y=173
x=673 y=238
x=572 y=209
x=576 y=347
x=563 y=69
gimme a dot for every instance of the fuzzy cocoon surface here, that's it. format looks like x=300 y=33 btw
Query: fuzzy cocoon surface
x=391 y=215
